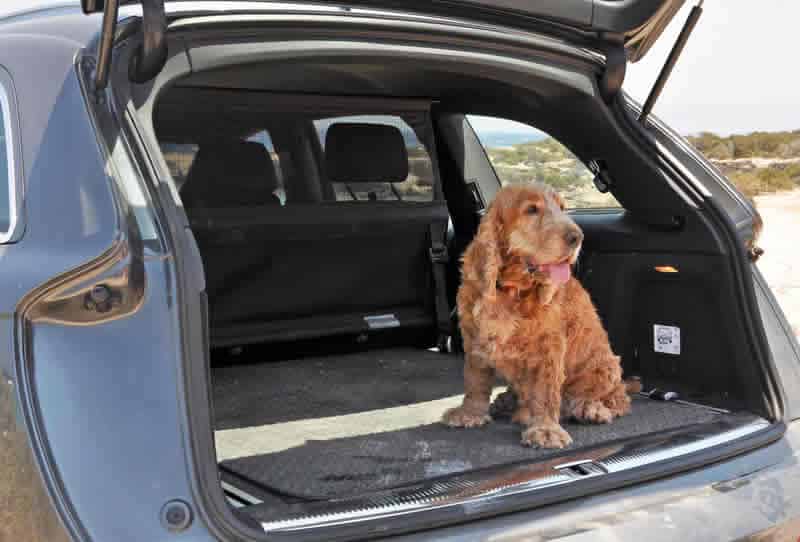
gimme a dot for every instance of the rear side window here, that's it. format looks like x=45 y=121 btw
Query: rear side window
x=7 y=169
x=520 y=154
x=181 y=156
x=263 y=137
x=417 y=187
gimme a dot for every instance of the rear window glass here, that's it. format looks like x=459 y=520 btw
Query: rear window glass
x=417 y=187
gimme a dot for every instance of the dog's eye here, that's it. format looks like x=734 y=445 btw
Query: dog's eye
x=532 y=210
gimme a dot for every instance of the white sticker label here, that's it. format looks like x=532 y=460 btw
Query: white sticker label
x=381 y=321
x=667 y=339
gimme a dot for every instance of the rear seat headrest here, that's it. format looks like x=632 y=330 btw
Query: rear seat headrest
x=230 y=174
x=363 y=153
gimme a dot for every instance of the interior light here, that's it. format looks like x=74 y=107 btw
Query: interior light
x=665 y=269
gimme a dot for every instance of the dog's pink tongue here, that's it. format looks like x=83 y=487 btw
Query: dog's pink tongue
x=558 y=272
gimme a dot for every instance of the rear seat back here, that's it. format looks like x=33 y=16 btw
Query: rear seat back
x=230 y=173
x=277 y=273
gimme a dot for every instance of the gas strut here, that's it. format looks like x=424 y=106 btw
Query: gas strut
x=672 y=59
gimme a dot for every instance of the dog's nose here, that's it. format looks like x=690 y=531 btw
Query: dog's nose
x=573 y=238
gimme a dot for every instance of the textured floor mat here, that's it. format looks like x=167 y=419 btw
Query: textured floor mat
x=254 y=395
x=397 y=387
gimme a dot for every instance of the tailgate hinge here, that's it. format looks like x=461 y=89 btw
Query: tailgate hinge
x=611 y=81
x=151 y=55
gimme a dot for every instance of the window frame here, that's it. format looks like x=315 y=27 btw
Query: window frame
x=14 y=163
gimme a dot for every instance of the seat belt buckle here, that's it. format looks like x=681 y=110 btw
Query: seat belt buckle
x=444 y=343
x=438 y=254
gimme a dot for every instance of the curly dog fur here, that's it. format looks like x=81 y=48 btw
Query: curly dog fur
x=525 y=318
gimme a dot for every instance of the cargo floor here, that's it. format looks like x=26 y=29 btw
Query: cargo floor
x=337 y=426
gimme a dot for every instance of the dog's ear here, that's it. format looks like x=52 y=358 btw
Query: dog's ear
x=486 y=255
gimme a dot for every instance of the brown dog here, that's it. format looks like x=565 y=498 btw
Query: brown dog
x=524 y=317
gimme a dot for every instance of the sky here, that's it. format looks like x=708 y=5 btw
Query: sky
x=738 y=72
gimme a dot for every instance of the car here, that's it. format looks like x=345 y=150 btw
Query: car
x=230 y=253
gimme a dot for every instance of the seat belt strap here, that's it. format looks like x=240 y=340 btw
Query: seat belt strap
x=439 y=258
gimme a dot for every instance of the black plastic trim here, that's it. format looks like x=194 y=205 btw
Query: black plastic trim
x=773 y=403
x=151 y=55
x=92 y=6
x=624 y=15
x=612 y=78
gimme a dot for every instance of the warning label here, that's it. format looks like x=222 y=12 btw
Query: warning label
x=667 y=339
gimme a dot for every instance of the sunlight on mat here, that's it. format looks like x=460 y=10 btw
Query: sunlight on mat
x=265 y=439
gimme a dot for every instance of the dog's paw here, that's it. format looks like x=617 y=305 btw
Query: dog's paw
x=546 y=436
x=462 y=417
x=504 y=405
x=618 y=403
x=591 y=412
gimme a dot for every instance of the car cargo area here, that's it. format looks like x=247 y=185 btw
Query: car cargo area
x=331 y=228
x=342 y=426
x=356 y=436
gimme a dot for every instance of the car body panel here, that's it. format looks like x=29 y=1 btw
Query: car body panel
x=98 y=425
x=636 y=23
x=783 y=342
x=101 y=415
x=734 y=500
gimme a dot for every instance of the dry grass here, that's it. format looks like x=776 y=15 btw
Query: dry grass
x=765 y=180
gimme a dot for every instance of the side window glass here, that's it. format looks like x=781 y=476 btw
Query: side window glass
x=7 y=169
x=417 y=187
x=520 y=154
x=264 y=138
x=179 y=158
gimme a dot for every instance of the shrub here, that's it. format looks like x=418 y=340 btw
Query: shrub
x=760 y=181
x=550 y=162
x=756 y=144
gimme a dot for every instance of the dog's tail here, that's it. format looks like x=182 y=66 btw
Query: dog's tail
x=633 y=385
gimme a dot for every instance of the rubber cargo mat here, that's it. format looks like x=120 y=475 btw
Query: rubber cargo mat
x=339 y=426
